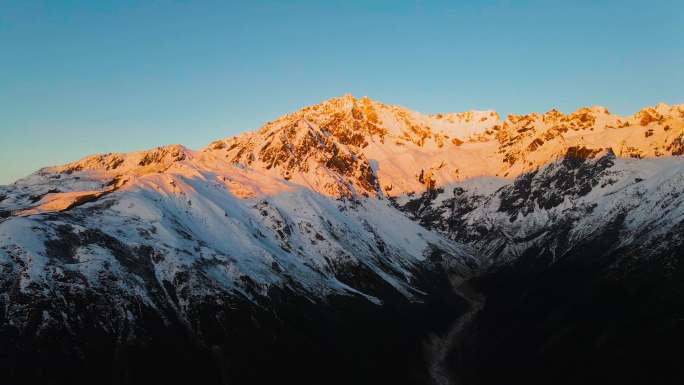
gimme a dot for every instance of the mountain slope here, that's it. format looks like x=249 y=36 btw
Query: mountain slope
x=341 y=235
x=557 y=206
x=171 y=252
x=582 y=270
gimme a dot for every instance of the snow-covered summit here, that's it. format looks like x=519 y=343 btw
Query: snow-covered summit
x=351 y=147
x=370 y=146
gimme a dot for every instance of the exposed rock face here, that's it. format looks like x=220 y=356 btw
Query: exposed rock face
x=565 y=201
x=335 y=236
x=401 y=143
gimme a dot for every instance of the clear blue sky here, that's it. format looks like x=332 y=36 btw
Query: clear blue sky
x=80 y=77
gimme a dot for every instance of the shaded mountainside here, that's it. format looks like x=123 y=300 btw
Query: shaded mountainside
x=584 y=276
x=355 y=241
x=601 y=314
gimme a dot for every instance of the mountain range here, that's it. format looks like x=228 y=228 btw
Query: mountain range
x=357 y=242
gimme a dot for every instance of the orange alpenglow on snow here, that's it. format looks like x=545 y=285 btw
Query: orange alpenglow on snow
x=347 y=146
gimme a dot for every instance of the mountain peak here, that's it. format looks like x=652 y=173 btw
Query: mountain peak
x=411 y=151
x=348 y=146
x=137 y=163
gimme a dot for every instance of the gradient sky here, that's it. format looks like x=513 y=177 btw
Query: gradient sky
x=81 y=77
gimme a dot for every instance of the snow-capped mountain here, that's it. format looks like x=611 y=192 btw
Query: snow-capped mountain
x=338 y=235
x=404 y=151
